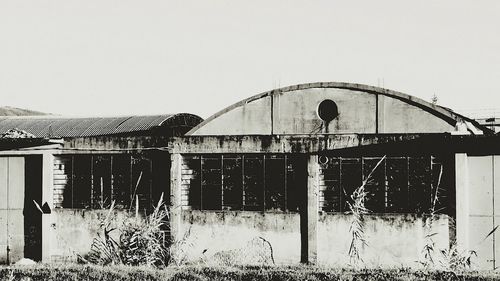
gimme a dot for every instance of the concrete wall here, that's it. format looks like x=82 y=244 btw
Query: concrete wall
x=210 y=233
x=295 y=112
x=11 y=209
x=73 y=230
x=393 y=240
x=479 y=215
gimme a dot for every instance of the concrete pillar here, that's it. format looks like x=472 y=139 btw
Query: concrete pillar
x=380 y=126
x=462 y=200
x=311 y=214
x=175 y=196
x=47 y=197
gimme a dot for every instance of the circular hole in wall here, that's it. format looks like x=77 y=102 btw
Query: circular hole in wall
x=327 y=110
x=323 y=160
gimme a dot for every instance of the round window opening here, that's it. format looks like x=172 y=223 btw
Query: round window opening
x=327 y=110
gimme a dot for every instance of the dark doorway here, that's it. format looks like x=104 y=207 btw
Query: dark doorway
x=33 y=216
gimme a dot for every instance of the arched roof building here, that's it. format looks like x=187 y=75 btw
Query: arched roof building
x=277 y=171
x=361 y=109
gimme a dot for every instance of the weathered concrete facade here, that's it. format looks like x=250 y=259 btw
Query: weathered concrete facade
x=366 y=122
x=361 y=110
x=275 y=171
x=478 y=195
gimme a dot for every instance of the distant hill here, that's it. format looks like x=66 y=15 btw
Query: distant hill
x=14 y=111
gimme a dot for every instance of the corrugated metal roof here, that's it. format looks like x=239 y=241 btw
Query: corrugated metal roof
x=56 y=126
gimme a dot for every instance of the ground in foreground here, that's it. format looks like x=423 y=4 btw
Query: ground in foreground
x=278 y=273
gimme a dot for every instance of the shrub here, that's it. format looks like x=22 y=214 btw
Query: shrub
x=141 y=242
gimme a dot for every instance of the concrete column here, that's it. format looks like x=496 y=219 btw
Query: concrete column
x=380 y=114
x=311 y=216
x=462 y=200
x=47 y=197
x=175 y=196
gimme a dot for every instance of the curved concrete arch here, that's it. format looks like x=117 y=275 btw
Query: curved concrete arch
x=441 y=112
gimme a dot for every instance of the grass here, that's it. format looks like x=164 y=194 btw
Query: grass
x=276 y=273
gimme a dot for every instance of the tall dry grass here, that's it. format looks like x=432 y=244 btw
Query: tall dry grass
x=142 y=240
x=358 y=210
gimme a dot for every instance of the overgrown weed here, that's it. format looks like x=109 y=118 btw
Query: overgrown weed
x=358 y=210
x=142 y=241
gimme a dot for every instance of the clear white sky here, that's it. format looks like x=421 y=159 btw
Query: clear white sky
x=105 y=57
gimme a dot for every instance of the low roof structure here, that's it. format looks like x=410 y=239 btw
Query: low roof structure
x=57 y=126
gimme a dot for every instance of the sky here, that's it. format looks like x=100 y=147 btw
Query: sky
x=121 y=57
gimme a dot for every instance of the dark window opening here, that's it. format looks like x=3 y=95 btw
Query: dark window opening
x=101 y=182
x=121 y=180
x=95 y=181
x=252 y=182
x=351 y=178
x=275 y=183
x=232 y=183
x=82 y=179
x=211 y=183
x=142 y=182
x=398 y=185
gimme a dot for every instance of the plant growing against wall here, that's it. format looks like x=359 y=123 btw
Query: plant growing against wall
x=105 y=249
x=358 y=210
x=452 y=258
x=429 y=244
x=141 y=240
